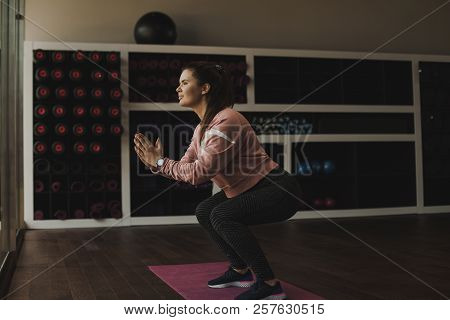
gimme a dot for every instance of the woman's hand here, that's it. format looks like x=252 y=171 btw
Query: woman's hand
x=146 y=151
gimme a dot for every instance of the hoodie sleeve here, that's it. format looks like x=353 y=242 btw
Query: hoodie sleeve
x=220 y=145
x=191 y=154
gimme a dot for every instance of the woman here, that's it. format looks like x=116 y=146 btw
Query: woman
x=255 y=190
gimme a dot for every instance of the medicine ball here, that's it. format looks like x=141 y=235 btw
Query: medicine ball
x=155 y=28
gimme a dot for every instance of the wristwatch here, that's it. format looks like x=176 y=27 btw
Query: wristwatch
x=159 y=163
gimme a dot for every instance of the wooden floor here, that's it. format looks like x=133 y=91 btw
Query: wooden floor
x=313 y=254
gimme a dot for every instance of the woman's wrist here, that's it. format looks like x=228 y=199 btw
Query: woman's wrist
x=159 y=162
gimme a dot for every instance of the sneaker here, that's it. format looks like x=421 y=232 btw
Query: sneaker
x=262 y=291
x=232 y=278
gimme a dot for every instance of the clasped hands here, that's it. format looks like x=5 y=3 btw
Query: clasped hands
x=147 y=152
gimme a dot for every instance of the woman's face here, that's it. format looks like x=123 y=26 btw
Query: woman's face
x=189 y=92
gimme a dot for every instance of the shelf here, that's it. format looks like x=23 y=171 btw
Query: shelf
x=323 y=177
x=293 y=138
x=350 y=191
x=281 y=107
x=173 y=189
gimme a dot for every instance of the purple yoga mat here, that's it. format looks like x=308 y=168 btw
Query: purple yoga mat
x=190 y=281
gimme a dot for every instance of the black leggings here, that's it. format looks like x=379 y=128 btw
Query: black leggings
x=227 y=219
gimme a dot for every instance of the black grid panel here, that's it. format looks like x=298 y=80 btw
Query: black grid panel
x=288 y=80
x=330 y=123
x=154 y=77
x=435 y=114
x=76 y=134
x=154 y=195
x=352 y=175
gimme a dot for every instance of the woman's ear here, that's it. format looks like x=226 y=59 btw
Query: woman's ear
x=205 y=88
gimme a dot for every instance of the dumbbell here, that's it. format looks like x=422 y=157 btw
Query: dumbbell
x=329 y=202
x=96 y=185
x=39 y=186
x=112 y=185
x=95 y=148
x=328 y=166
x=95 y=210
x=317 y=203
x=57 y=74
x=56 y=186
x=77 y=186
x=114 y=209
x=42 y=166
x=41 y=74
x=39 y=215
x=60 y=214
x=79 y=214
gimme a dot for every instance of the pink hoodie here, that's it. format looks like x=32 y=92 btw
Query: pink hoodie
x=230 y=155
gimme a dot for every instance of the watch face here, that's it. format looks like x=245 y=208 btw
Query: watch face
x=160 y=162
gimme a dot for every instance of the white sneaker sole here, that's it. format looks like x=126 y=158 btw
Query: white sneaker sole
x=240 y=284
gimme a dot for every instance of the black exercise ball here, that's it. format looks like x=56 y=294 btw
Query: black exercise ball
x=155 y=28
